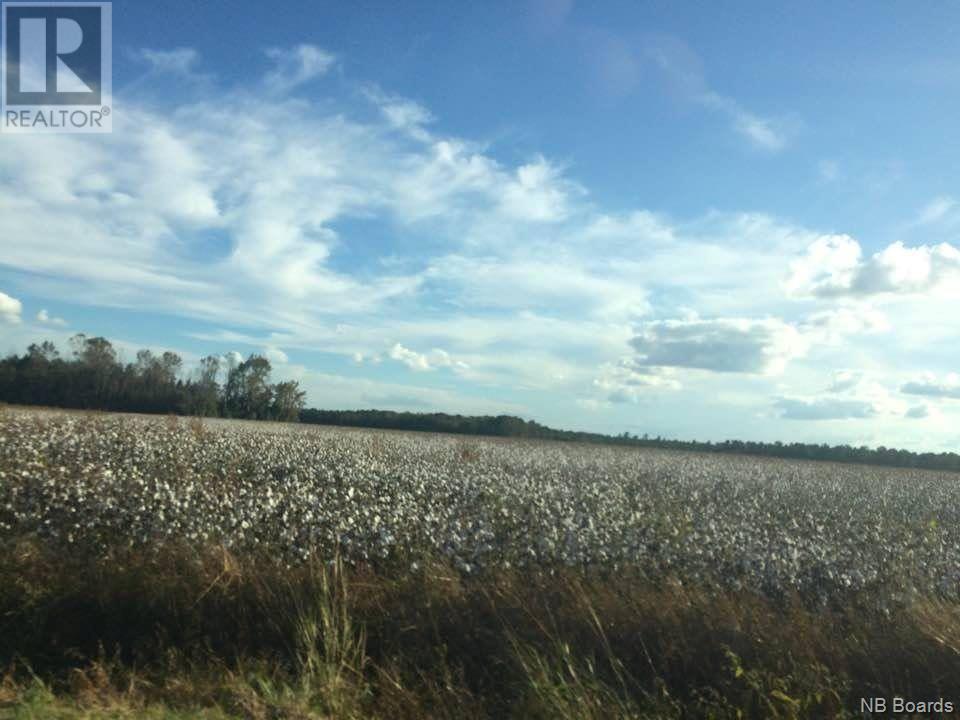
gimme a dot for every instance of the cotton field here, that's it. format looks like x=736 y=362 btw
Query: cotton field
x=92 y=482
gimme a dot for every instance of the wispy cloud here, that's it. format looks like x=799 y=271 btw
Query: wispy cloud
x=761 y=132
x=178 y=61
x=295 y=66
x=940 y=209
x=685 y=70
x=829 y=170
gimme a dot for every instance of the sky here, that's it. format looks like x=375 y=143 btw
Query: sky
x=701 y=221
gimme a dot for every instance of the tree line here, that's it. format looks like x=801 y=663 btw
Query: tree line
x=510 y=426
x=93 y=377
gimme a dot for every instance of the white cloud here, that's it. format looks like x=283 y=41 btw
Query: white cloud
x=46 y=319
x=834 y=266
x=762 y=132
x=835 y=325
x=844 y=380
x=636 y=230
x=10 y=309
x=537 y=192
x=825 y=408
x=432 y=360
x=827 y=266
x=528 y=280
x=623 y=382
x=367 y=358
x=685 y=70
x=937 y=210
x=829 y=170
x=296 y=66
x=275 y=355
x=405 y=115
x=851 y=396
x=736 y=345
x=340 y=392
x=178 y=61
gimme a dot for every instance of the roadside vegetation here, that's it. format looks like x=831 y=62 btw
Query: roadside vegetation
x=206 y=633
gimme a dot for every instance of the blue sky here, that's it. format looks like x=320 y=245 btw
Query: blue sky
x=702 y=221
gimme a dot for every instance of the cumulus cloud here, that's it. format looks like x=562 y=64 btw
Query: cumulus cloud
x=825 y=408
x=828 y=266
x=930 y=385
x=432 y=360
x=295 y=66
x=276 y=355
x=624 y=382
x=734 y=345
x=836 y=324
x=834 y=266
x=10 y=309
x=46 y=319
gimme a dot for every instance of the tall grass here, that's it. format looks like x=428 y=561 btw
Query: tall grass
x=202 y=633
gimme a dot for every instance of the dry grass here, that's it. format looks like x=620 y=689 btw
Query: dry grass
x=206 y=634
x=468 y=452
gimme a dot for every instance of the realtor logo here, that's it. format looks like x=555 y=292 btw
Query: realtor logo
x=57 y=67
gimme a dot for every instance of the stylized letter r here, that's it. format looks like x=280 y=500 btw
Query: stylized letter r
x=34 y=60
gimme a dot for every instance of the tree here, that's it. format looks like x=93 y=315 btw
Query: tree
x=97 y=352
x=288 y=401
x=206 y=395
x=98 y=363
x=45 y=351
x=248 y=393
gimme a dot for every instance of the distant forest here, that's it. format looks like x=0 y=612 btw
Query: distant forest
x=93 y=378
